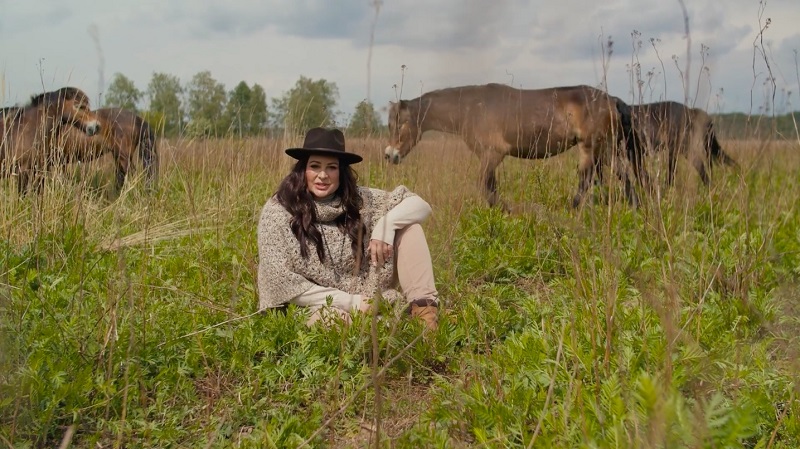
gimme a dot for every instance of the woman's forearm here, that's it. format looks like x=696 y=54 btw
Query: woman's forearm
x=412 y=209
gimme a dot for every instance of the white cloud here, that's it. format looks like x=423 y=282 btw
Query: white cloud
x=45 y=44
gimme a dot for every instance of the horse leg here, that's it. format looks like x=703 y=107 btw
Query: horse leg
x=30 y=179
x=120 y=177
x=699 y=155
x=23 y=180
x=148 y=154
x=635 y=147
x=599 y=178
x=38 y=183
x=490 y=159
x=630 y=190
x=700 y=166
x=635 y=156
x=672 y=159
x=587 y=164
x=621 y=170
x=598 y=171
x=123 y=163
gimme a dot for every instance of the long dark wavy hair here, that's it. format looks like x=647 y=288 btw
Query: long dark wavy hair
x=294 y=196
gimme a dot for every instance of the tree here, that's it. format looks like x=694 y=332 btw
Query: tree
x=246 y=112
x=122 y=93
x=206 y=102
x=165 y=92
x=258 y=110
x=236 y=110
x=365 y=121
x=308 y=104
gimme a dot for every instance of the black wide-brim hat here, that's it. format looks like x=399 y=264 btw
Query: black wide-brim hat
x=329 y=142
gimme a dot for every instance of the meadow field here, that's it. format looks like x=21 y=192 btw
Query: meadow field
x=127 y=320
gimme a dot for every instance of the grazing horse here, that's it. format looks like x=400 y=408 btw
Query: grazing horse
x=680 y=130
x=124 y=134
x=496 y=121
x=29 y=133
x=8 y=112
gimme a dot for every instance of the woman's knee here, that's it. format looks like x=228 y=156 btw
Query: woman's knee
x=414 y=230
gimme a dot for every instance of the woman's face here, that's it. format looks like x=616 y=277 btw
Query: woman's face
x=322 y=175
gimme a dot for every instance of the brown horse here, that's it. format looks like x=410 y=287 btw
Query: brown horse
x=8 y=112
x=680 y=129
x=29 y=133
x=124 y=134
x=496 y=121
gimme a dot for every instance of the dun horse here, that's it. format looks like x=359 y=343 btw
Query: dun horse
x=124 y=134
x=679 y=129
x=498 y=121
x=29 y=133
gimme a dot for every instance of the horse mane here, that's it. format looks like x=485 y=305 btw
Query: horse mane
x=460 y=90
x=65 y=93
x=447 y=92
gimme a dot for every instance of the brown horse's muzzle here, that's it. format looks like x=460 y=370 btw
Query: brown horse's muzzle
x=392 y=154
x=92 y=127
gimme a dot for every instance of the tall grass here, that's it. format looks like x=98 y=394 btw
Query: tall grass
x=126 y=319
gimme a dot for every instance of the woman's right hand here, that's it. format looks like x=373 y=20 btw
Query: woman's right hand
x=379 y=252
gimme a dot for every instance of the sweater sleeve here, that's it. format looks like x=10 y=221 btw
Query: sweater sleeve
x=277 y=283
x=411 y=209
x=378 y=202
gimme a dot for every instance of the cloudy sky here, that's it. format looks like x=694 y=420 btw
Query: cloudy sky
x=419 y=45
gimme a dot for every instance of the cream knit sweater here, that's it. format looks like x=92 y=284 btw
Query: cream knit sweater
x=283 y=274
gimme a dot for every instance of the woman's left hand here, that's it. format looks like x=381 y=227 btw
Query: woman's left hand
x=379 y=252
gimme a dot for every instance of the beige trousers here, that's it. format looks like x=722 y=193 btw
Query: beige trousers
x=413 y=272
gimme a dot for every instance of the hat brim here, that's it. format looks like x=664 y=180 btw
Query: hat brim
x=300 y=153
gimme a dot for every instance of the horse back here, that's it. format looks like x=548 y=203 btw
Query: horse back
x=120 y=133
x=549 y=121
x=526 y=123
x=26 y=135
x=133 y=134
x=672 y=125
x=127 y=124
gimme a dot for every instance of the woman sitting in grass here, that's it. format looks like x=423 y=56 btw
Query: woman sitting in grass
x=312 y=238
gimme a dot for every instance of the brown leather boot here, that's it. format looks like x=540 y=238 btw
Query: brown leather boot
x=427 y=311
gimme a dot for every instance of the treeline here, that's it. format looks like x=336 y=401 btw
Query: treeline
x=738 y=125
x=203 y=107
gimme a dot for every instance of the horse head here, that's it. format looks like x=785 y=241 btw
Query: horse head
x=403 y=132
x=71 y=106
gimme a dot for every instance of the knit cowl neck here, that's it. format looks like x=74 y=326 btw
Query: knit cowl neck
x=329 y=210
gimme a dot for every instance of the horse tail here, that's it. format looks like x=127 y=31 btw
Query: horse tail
x=148 y=153
x=634 y=148
x=714 y=149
